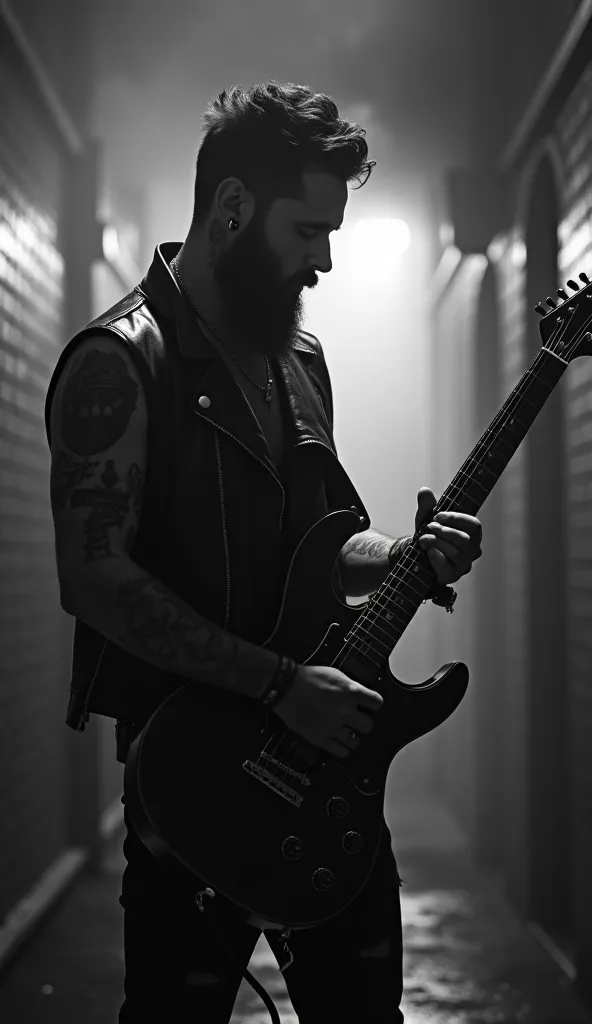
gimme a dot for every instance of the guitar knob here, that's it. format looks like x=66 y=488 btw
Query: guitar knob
x=337 y=807
x=292 y=848
x=352 y=842
x=323 y=879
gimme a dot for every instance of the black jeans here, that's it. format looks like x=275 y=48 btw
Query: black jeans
x=175 y=970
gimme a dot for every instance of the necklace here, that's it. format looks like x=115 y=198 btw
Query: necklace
x=265 y=388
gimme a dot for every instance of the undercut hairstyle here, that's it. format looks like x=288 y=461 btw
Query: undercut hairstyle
x=267 y=136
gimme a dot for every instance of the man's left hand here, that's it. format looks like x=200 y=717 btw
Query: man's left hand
x=453 y=540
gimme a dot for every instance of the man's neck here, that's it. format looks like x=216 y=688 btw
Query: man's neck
x=199 y=282
x=198 y=279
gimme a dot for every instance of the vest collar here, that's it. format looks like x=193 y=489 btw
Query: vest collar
x=309 y=420
x=161 y=288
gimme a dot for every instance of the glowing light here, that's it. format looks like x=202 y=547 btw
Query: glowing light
x=518 y=254
x=369 y=253
x=111 y=246
x=446 y=234
x=384 y=237
x=497 y=248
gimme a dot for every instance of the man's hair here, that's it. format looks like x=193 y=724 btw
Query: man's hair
x=268 y=135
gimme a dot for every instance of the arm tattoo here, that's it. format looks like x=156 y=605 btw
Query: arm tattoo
x=362 y=545
x=400 y=545
x=109 y=505
x=66 y=473
x=157 y=623
x=98 y=400
x=364 y=561
x=133 y=479
x=215 y=234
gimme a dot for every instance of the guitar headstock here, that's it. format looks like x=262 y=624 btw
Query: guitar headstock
x=566 y=327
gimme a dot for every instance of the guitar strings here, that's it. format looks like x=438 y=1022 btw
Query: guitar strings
x=358 y=643
x=482 y=448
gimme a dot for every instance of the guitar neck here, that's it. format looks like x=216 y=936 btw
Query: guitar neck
x=494 y=449
x=378 y=628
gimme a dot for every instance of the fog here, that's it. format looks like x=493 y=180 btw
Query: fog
x=400 y=71
x=399 y=68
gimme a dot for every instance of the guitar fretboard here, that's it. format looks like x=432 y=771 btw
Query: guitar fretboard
x=389 y=611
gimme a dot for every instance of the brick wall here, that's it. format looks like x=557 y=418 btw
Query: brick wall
x=574 y=135
x=33 y=653
x=573 y=163
x=455 y=436
x=571 y=147
x=512 y=665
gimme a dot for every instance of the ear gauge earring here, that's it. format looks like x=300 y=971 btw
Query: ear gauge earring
x=233 y=224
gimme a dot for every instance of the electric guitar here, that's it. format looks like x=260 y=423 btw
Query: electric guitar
x=277 y=825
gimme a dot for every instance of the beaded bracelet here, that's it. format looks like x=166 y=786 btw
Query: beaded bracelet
x=282 y=681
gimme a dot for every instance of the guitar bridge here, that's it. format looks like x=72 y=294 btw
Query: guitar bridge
x=260 y=772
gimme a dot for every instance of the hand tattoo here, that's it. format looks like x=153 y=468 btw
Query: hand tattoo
x=98 y=401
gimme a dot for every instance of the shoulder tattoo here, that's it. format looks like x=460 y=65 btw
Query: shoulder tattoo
x=98 y=400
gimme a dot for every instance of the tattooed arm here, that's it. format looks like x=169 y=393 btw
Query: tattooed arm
x=98 y=446
x=363 y=561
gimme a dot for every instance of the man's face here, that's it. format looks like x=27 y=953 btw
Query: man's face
x=261 y=275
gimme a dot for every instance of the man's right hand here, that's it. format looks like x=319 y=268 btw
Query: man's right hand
x=323 y=705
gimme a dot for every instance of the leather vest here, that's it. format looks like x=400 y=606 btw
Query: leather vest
x=218 y=526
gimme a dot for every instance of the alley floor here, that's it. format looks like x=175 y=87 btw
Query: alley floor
x=468 y=960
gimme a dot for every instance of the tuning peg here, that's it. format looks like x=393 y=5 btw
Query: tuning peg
x=540 y=309
x=551 y=302
x=574 y=285
x=585 y=278
x=562 y=293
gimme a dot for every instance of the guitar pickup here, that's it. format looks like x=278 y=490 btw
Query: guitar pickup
x=260 y=772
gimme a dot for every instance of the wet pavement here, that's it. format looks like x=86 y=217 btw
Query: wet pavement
x=468 y=960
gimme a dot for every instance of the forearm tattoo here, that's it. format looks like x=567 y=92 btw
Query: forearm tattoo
x=364 y=546
x=158 y=624
x=401 y=545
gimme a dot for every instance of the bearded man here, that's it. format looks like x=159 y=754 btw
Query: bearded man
x=191 y=434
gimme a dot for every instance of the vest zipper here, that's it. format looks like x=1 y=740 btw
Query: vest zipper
x=252 y=454
x=224 y=530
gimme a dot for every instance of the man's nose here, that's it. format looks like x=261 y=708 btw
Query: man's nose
x=322 y=261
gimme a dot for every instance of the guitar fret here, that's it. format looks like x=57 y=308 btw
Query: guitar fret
x=389 y=611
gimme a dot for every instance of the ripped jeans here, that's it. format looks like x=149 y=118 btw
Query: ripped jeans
x=347 y=970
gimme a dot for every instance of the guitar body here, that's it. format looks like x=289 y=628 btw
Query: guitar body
x=279 y=826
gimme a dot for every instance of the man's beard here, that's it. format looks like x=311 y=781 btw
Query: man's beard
x=262 y=310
